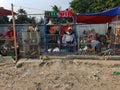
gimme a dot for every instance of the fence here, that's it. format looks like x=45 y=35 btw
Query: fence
x=82 y=48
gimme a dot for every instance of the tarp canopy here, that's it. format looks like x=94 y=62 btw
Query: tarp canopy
x=5 y=12
x=99 y=18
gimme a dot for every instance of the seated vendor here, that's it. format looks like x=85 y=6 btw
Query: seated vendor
x=91 y=36
x=93 y=42
x=8 y=47
x=54 y=34
x=68 y=38
x=108 y=36
x=10 y=34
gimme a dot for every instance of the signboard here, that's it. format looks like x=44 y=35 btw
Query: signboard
x=66 y=13
x=50 y=14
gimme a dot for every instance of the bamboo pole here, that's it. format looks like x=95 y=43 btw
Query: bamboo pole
x=14 y=29
x=107 y=27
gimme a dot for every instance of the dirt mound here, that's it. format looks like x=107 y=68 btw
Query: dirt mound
x=60 y=75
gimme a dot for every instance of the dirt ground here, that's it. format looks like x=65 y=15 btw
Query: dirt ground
x=60 y=74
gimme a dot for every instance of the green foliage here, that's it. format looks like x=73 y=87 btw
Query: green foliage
x=41 y=21
x=4 y=20
x=56 y=8
x=22 y=17
x=92 y=6
x=19 y=65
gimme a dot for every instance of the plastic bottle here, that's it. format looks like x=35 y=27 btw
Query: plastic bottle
x=31 y=68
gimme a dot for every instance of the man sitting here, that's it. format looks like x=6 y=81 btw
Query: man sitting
x=68 y=38
x=93 y=42
x=10 y=35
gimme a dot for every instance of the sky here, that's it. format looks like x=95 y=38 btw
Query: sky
x=34 y=6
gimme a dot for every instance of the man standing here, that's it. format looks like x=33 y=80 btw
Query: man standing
x=10 y=34
x=33 y=27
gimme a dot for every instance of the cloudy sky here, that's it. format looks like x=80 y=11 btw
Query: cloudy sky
x=34 y=6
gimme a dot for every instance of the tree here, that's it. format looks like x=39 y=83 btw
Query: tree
x=23 y=18
x=31 y=19
x=56 y=8
x=4 y=20
x=41 y=21
x=92 y=6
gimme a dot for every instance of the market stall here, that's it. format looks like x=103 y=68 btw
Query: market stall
x=56 y=25
x=105 y=17
x=5 y=12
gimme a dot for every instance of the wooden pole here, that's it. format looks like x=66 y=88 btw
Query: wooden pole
x=14 y=28
x=106 y=27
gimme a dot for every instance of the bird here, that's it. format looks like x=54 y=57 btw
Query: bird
x=85 y=48
x=56 y=49
x=49 y=50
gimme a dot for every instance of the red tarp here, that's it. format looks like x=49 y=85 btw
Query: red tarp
x=94 y=19
x=99 y=18
x=5 y=12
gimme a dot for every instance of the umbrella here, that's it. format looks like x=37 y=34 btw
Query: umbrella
x=5 y=12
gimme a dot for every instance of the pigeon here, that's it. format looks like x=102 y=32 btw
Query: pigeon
x=56 y=49
x=85 y=48
x=49 y=50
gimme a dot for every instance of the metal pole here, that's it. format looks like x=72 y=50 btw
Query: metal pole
x=14 y=29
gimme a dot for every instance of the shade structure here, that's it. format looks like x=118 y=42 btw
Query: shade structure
x=99 y=18
x=5 y=12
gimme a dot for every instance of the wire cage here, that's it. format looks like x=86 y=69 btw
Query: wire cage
x=56 y=26
x=31 y=44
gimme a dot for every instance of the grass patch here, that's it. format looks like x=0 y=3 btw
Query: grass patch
x=19 y=65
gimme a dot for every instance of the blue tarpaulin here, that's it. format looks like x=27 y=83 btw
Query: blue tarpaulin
x=98 y=18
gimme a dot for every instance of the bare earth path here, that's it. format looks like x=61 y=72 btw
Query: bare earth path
x=60 y=75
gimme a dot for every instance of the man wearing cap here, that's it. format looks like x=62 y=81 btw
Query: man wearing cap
x=68 y=38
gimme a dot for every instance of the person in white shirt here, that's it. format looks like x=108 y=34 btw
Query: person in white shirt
x=69 y=37
x=96 y=45
x=33 y=27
